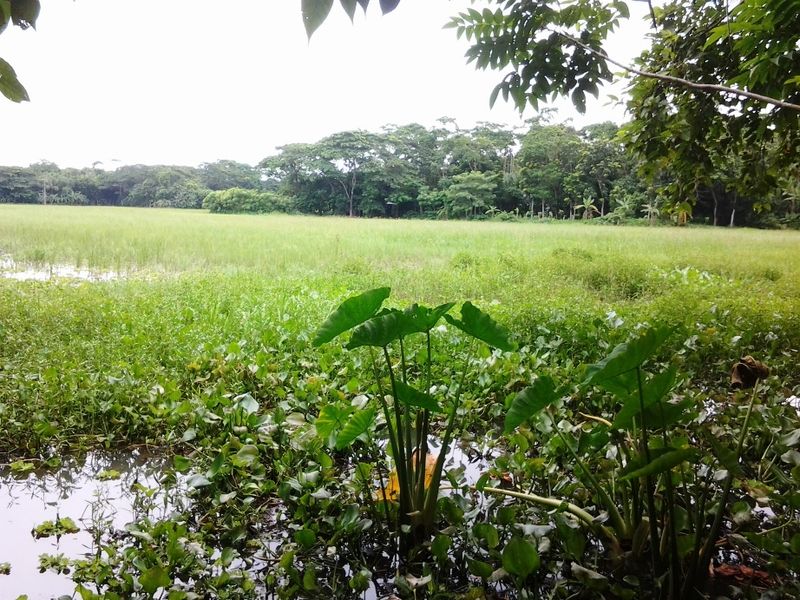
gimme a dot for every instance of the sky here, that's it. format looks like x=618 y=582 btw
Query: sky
x=193 y=81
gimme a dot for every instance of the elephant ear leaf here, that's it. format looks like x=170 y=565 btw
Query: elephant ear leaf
x=379 y=331
x=530 y=401
x=627 y=357
x=358 y=424
x=421 y=319
x=351 y=312
x=479 y=325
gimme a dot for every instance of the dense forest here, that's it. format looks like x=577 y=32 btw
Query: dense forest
x=488 y=171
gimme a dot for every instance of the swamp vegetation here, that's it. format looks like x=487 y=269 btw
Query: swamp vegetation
x=565 y=429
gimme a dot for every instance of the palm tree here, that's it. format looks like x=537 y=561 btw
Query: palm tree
x=589 y=209
x=651 y=211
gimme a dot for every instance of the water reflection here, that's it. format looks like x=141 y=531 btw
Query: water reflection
x=73 y=490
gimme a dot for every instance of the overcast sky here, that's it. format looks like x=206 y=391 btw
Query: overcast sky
x=193 y=81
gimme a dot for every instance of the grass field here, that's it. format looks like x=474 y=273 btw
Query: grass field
x=209 y=307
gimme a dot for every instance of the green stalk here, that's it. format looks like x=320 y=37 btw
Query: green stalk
x=385 y=408
x=573 y=509
x=649 y=491
x=710 y=543
x=407 y=426
x=422 y=432
x=611 y=507
x=400 y=459
x=432 y=494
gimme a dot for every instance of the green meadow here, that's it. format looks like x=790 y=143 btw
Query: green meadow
x=201 y=310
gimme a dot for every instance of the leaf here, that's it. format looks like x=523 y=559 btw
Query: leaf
x=654 y=390
x=628 y=356
x=412 y=397
x=358 y=424
x=378 y=332
x=197 y=481
x=351 y=312
x=666 y=461
x=726 y=457
x=246 y=456
x=247 y=403
x=154 y=578
x=487 y=533
x=530 y=401
x=314 y=14
x=421 y=319
x=520 y=557
x=10 y=86
x=388 y=6
x=330 y=419
x=479 y=325
x=350 y=8
x=305 y=537
x=24 y=13
x=479 y=568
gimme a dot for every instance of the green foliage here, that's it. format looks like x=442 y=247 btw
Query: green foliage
x=239 y=200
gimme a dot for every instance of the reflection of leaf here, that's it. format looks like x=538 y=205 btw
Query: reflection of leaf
x=479 y=325
x=530 y=401
x=350 y=313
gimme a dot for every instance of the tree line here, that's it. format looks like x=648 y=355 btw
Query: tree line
x=487 y=171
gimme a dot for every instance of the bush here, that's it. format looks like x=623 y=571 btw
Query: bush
x=239 y=200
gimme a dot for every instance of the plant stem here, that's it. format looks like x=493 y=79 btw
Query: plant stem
x=573 y=509
x=649 y=491
x=710 y=543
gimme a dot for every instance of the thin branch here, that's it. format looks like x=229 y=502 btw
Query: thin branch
x=706 y=87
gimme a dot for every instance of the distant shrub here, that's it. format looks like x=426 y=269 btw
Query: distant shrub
x=240 y=200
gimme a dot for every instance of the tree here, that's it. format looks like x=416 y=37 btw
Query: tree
x=470 y=191
x=711 y=71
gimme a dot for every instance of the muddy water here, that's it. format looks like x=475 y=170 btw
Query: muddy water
x=73 y=491
x=9 y=269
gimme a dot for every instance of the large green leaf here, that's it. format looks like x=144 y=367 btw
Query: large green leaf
x=530 y=401
x=379 y=331
x=520 y=557
x=413 y=397
x=479 y=325
x=10 y=86
x=154 y=578
x=421 y=319
x=358 y=424
x=314 y=14
x=667 y=460
x=351 y=312
x=626 y=357
x=654 y=390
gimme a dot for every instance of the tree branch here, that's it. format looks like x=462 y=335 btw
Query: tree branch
x=705 y=87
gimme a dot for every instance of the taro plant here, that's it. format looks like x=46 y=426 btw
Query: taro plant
x=404 y=398
x=660 y=498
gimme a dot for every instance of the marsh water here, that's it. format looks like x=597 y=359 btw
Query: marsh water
x=75 y=490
